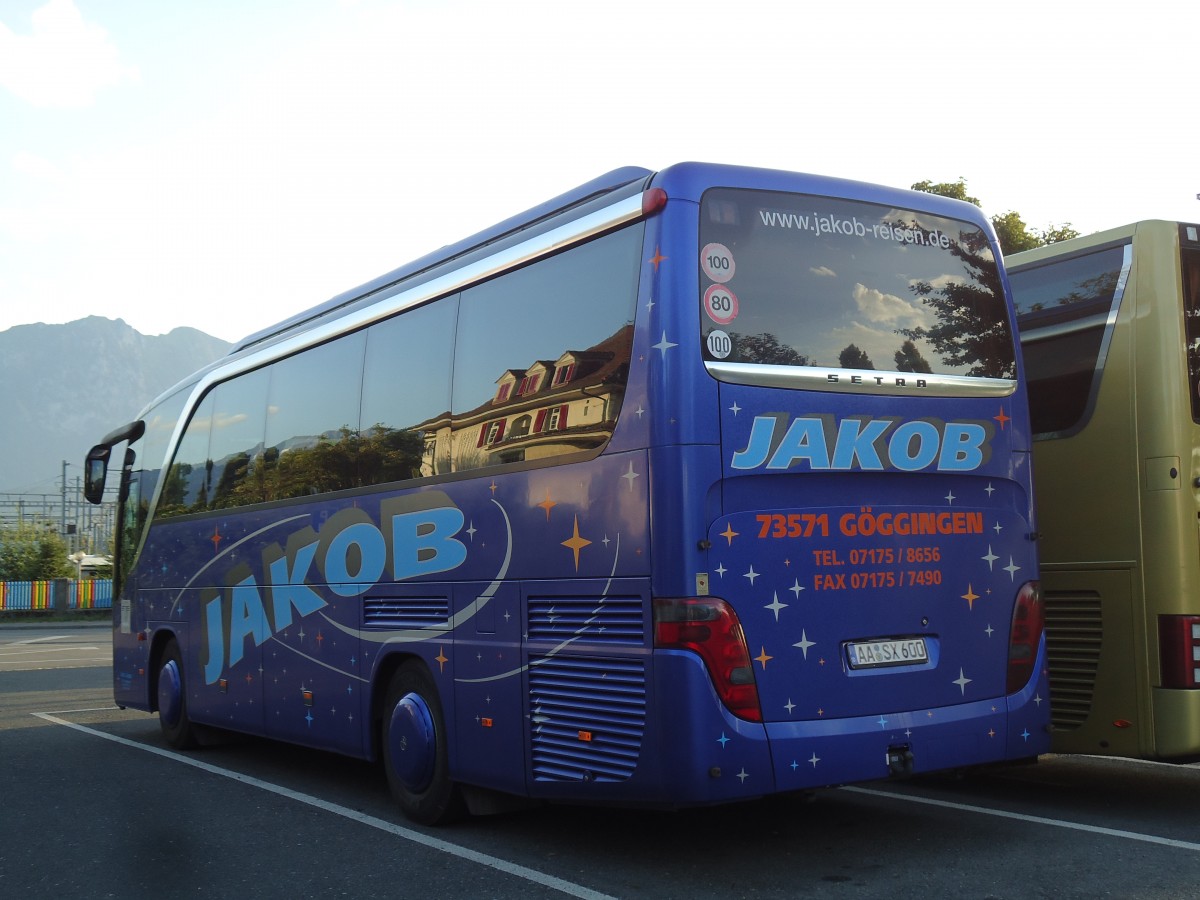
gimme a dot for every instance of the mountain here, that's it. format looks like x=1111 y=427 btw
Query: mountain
x=64 y=387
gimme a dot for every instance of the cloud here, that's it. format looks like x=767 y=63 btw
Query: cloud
x=887 y=309
x=823 y=271
x=64 y=62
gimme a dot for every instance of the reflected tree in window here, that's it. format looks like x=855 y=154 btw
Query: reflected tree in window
x=854 y=358
x=766 y=349
x=969 y=333
x=909 y=359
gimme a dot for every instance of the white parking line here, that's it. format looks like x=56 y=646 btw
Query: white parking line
x=1037 y=820
x=483 y=859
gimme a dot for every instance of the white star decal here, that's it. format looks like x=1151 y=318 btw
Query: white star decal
x=789 y=706
x=962 y=681
x=721 y=570
x=743 y=775
x=991 y=557
x=950 y=498
x=1012 y=569
x=815 y=759
x=776 y=606
x=664 y=345
x=751 y=575
x=735 y=409
x=796 y=588
x=472 y=531
x=989 y=489
x=630 y=475
x=804 y=643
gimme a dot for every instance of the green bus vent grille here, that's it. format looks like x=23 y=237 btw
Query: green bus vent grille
x=1074 y=633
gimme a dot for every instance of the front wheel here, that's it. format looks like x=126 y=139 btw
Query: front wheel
x=415 y=755
x=177 y=728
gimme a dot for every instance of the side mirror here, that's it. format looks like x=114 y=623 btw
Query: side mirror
x=95 y=469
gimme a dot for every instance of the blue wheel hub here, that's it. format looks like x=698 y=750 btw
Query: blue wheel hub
x=412 y=742
x=170 y=694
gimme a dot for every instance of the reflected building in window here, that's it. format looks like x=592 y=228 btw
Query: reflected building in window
x=552 y=408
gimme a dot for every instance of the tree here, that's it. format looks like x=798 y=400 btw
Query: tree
x=1012 y=232
x=956 y=190
x=765 y=348
x=854 y=358
x=33 y=553
x=909 y=359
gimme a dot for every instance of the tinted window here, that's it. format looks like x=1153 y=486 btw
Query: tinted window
x=152 y=452
x=1190 y=260
x=236 y=447
x=148 y=455
x=542 y=356
x=796 y=280
x=1064 y=310
x=406 y=391
x=188 y=487
x=311 y=443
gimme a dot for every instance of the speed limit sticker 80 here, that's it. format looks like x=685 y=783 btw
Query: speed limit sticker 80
x=721 y=304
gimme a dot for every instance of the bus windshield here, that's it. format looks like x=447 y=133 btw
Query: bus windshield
x=876 y=287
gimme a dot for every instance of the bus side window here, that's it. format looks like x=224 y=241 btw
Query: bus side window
x=406 y=394
x=1064 y=310
x=238 y=429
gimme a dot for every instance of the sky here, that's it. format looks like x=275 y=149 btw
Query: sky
x=224 y=164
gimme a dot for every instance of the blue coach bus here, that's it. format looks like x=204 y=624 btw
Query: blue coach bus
x=682 y=488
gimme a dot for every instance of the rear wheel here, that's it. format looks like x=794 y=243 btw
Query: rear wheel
x=414 y=749
x=177 y=728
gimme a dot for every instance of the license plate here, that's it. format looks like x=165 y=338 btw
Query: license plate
x=895 y=652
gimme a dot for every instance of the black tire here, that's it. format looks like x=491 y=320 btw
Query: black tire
x=413 y=744
x=171 y=687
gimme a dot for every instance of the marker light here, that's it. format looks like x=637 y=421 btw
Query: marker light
x=653 y=200
x=1179 y=651
x=710 y=628
x=1029 y=618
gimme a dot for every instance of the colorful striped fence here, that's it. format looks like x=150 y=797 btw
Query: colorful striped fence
x=90 y=593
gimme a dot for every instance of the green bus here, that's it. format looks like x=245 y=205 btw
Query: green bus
x=1110 y=332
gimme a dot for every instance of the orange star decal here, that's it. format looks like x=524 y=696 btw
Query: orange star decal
x=576 y=543
x=1002 y=418
x=657 y=258
x=970 y=596
x=547 y=505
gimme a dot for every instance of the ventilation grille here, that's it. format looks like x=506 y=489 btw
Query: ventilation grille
x=406 y=612
x=588 y=717
x=1074 y=631
x=608 y=620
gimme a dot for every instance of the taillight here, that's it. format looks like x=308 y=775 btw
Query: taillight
x=1029 y=618
x=1179 y=651
x=710 y=628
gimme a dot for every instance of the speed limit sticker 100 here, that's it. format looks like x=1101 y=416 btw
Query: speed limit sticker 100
x=721 y=304
x=717 y=262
